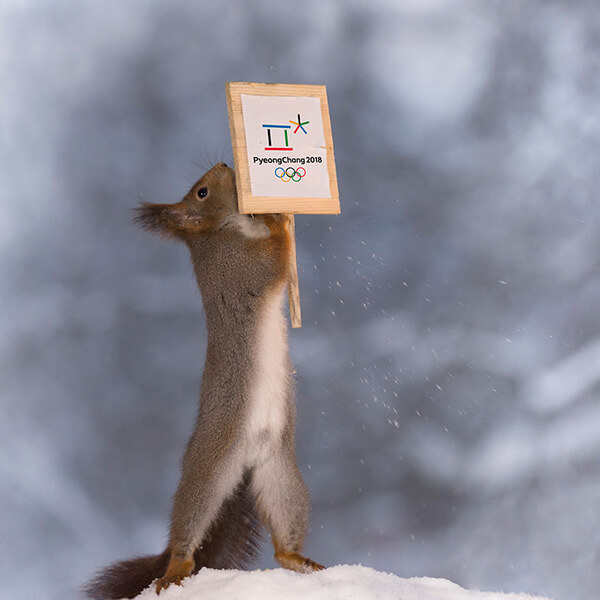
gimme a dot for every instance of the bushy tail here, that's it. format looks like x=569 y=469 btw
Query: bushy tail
x=232 y=542
x=128 y=578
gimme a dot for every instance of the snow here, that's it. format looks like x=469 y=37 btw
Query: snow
x=343 y=582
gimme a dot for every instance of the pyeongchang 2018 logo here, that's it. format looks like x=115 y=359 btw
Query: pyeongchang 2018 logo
x=278 y=139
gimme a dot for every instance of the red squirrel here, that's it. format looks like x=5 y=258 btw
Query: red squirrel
x=239 y=470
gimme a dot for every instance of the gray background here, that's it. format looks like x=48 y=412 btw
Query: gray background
x=449 y=363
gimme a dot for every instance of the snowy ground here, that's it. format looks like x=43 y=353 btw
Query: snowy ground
x=343 y=582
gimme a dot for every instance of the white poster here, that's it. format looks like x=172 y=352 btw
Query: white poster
x=286 y=146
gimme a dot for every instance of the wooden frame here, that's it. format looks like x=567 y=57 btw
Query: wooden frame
x=278 y=204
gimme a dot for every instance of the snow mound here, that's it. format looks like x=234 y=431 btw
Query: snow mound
x=343 y=582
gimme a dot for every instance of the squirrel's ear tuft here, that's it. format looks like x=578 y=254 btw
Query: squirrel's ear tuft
x=159 y=218
x=149 y=216
x=171 y=220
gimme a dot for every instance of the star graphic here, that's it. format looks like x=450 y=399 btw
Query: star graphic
x=299 y=124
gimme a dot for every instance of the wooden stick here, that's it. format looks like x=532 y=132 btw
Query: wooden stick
x=293 y=288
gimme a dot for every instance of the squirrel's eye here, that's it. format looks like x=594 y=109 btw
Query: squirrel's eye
x=202 y=192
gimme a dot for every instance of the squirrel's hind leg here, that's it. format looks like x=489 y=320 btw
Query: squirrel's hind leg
x=203 y=489
x=283 y=503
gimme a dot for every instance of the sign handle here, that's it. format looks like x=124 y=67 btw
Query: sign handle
x=293 y=288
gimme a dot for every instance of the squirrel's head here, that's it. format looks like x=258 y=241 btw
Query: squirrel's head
x=209 y=206
x=239 y=246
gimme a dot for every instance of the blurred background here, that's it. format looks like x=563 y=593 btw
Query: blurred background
x=449 y=362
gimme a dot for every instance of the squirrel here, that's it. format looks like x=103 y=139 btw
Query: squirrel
x=239 y=469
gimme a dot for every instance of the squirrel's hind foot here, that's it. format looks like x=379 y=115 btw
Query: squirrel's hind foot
x=177 y=571
x=296 y=562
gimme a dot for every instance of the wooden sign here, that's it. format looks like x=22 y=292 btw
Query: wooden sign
x=283 y=154
x=282 y=148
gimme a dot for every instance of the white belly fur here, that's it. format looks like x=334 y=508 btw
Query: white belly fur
x=267 y=406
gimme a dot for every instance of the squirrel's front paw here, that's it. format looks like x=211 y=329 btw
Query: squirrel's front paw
x=177 y=571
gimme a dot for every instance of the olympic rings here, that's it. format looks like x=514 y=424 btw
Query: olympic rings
x=290 y=174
